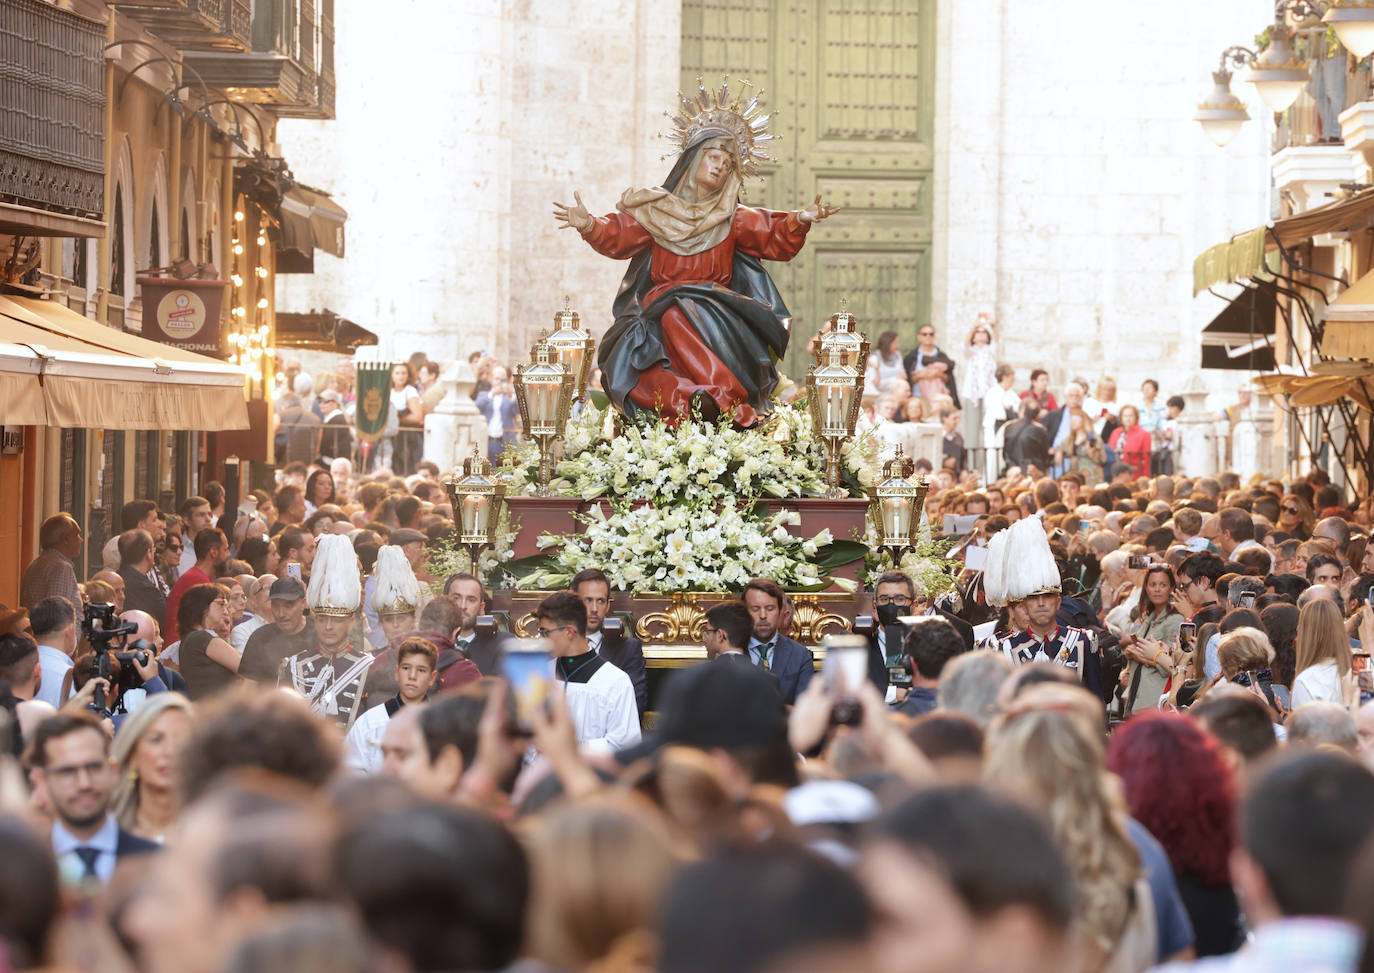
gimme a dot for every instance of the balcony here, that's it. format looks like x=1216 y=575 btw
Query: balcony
x=196 y=25
x=290 y=66
x=52 y=122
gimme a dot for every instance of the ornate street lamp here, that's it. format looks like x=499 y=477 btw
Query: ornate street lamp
x=845 y=336
x=1278 y=74
x=897 y=503
x=544 y=392
x=1221 y=113
x=572 y=347
x=476 y=498
x=1353 y=21
x=834 y=394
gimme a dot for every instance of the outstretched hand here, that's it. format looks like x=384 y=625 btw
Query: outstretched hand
x=816 y=212
x=576 y=216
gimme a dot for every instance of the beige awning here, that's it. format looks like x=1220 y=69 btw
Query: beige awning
x=60 y=368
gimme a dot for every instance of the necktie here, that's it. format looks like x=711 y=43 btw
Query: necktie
x=462 y=645
x=763 y=648
x=88 y=856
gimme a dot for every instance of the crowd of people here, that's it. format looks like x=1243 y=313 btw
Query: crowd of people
x=315 y=414
x=1139 y=734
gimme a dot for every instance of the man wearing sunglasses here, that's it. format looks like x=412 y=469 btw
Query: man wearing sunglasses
x=601 y=698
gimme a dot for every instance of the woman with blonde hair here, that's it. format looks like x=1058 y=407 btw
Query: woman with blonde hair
x=1323 y=655
x=599 y=869
x=146 y=750
x=1053 y=759
x=1296 y=517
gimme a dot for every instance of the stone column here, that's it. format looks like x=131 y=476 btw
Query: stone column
x=1196 y=452
x=455 y=426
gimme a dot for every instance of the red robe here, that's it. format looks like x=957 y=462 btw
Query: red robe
x=766 y=234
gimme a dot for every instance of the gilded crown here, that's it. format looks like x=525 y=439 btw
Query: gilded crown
x=716 y=112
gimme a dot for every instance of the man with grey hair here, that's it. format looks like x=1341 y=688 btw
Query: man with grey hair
x=1318 y=723
x=1239 y=588
x=969 y=685
x=1333 y=529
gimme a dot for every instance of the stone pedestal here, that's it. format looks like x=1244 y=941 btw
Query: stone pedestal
x=455 y=426
x=1197 y=431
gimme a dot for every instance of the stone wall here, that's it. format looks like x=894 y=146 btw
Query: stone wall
x=1073 y=189
x=458 y=125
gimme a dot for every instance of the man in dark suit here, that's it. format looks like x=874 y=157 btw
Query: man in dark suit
x=620 y=649
x=789 y=660
x=483 y=648
x=71 y=758
x=137 y=554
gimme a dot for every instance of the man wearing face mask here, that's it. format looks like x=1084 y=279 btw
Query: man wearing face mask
x=895 y=596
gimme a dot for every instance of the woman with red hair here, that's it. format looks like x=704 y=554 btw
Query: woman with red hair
x=1180 y=787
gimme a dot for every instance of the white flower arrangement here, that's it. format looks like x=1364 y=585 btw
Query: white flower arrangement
x=684 y=504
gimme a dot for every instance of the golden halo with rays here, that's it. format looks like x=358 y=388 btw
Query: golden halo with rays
x=718 y=111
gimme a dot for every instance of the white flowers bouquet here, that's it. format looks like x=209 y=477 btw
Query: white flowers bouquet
x=684 y=510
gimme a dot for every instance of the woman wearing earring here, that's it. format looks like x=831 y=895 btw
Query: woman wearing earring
x=146 y=750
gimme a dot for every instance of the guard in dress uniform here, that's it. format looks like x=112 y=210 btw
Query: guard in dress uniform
x=1021 y=571
x=332 y=675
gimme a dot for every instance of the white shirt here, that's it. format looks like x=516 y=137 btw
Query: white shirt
x=69 y=863
x=603 y=709
x=188 y=555
x=363 y=745
x=238 y=638
x=55 y=664
x=1319 y=682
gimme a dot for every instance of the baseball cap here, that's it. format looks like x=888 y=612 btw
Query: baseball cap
x=287 y=589
x=404 y=536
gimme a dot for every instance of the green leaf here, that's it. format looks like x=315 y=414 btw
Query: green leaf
x=523 y=567
x=600 y=399
x=839 y=552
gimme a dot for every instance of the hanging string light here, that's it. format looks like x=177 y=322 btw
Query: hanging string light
x=249 y=342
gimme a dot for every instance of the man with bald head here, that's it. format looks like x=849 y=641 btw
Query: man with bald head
x=116 y=584
x=1329 y=592
x=149 y=632
x=1336 y=531
x=137 y=553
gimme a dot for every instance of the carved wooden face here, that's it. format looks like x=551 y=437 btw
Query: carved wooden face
x=713 y=168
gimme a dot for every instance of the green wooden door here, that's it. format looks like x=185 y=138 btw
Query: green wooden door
x=854 y=82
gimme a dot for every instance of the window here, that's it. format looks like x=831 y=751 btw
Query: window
x=154 y=241
x=117 y=244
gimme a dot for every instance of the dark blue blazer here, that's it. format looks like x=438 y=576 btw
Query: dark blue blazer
x=794 y=665
x=131 y=844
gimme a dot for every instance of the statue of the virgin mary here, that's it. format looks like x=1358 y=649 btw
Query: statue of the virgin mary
x=699 y=326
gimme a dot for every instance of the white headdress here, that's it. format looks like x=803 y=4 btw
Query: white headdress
x=397 y=592
x=1019 y=564
x=336 y=587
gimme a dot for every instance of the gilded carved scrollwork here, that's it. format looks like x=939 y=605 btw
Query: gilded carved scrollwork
x=811 y=623
x=681 y=621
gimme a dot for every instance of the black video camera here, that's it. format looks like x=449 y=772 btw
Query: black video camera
x=109 y=637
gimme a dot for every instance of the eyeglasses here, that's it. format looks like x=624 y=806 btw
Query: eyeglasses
x=901 y=601
x=171 y=547
x=708 y=629
x=69 y=775
x=546 y=632
x=1292 y=510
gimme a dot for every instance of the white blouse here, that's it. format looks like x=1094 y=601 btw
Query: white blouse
x=1319 y=682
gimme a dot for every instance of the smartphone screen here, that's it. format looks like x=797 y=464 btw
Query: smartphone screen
x=1085 y=526
x=528 y=670
x=293 y=570
x=1186 y=632
x=844 y=672
x=1359 y=662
